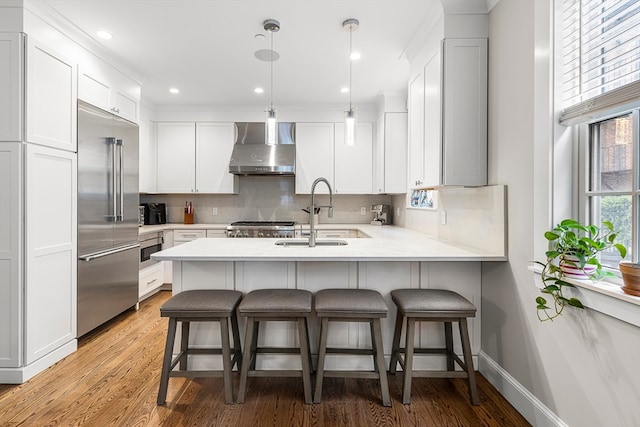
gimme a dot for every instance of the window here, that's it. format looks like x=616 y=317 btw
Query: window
x=598 y=88
x=612 y=180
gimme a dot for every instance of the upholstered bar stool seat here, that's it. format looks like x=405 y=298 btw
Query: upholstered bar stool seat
x=432 y=305
x=291 y=305
x=351 y=305
x=201 y=306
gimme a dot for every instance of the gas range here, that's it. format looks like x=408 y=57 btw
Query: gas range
x=279 y=229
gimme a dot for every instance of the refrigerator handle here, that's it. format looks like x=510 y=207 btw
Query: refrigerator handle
x=112 y=217
x=120 y=213
x=96 y=255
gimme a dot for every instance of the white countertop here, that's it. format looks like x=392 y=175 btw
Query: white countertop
x=387 y=243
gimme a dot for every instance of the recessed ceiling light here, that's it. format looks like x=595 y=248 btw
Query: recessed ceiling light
x=258 y=90
x=355 y=56
x=174 y=90
x=104 y=34
x=344 y=90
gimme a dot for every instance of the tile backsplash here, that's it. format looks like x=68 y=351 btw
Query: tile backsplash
x=265 y=198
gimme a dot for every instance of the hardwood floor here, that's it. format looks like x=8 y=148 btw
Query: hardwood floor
x=112 y=380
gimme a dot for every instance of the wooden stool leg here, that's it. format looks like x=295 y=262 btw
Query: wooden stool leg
x=408 y=360
x=373 y=348
x=254 y=344
x=448 y=339
x=384 y=383
x=468 y=360
x=304 y=358
x=246 y=358
x=184 y=346
x=226 y=359
x=306 y=325
x=166 y=362
x=395 y=348
x=322 y=352
x=237 y=351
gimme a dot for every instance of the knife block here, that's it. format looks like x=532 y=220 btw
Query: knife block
x=188 y=217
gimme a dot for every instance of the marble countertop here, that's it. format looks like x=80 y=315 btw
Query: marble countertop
x=386 y=243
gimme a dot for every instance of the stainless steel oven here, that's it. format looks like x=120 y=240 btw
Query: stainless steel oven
x=150 y=243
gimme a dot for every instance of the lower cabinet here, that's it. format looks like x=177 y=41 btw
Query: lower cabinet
x=151 y=279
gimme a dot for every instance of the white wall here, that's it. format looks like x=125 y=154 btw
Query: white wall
x=583 y=366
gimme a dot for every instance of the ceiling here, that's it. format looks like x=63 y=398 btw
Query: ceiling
x=206 y=47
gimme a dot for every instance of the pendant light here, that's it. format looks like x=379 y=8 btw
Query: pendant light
x=350 y=115
x=271 y=122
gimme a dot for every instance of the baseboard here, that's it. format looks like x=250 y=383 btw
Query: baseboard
x=518 y=396
x=25 y=373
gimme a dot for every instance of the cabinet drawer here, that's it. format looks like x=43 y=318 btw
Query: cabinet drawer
x=150 y=278
x=334 y=234
x=188 y=235
x=216 y=233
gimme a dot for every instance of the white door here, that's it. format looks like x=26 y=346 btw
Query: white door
x=354 y=163
x=11 y=86
x=314 y=156
x=214 y=144
x=176 y=157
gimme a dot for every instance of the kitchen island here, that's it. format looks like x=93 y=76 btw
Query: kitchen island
x=391 y=258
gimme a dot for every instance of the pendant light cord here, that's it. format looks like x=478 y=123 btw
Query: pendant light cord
x=271 y=94
x=350 y=61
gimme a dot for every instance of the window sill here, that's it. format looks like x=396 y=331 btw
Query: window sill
x=605 y=297
x=421 y=208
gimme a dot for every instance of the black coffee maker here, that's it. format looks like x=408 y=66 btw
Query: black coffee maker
x=155 y=213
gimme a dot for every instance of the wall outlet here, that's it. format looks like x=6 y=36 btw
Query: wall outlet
x=398 y=212
x=214 y=211
x=363 y=210
x=443 y=217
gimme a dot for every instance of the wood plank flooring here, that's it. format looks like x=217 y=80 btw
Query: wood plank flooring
x=112 y=380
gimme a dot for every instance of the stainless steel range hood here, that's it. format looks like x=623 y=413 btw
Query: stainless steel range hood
x=252 y=156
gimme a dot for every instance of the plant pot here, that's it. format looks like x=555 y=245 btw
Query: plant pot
x=631 y=277
x=570 y=266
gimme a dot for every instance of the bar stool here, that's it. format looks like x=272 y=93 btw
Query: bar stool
x=290 y=305
x=432 y=305
x=352 y=305
x=201 y=306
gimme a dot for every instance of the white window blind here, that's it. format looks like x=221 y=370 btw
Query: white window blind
x=599 y=48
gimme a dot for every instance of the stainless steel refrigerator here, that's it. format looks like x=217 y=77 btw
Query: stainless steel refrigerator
x=108 y=198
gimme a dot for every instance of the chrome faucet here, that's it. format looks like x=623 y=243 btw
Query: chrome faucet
x=312 y=209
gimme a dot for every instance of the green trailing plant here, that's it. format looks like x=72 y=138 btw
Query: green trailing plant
x=574 y=244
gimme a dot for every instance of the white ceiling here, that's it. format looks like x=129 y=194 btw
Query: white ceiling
x=206 y=47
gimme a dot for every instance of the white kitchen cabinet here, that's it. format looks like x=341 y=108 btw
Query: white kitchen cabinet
x=216 y=234
x=148 y=158
x=353 y=164
x=448 y=113
x=194 y=157
x=214 y=144
x=184 y=236
x=336 y=234
x=416 y=119
x=167 y=242
x=464 y=107
x=50 y=251
x=50 y=91
x=105 y=87
x=390 y=154
x=11 y=84
x=150 y=280
x=11 y=229
x=176 y=145
x=314 y=156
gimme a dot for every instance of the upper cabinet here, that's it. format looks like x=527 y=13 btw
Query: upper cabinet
x=50 y=97
x=148 y=158
x=353 y=173
x=321 y=152
x=11 y=84
x=314 y=156
x=107 y=88
x=448 y=111
x=390 y=154
x=194 y=157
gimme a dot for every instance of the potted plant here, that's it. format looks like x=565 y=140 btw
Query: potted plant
x=573 y=253
x=630 y=272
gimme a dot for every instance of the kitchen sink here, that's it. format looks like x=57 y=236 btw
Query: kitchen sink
x=305 y=242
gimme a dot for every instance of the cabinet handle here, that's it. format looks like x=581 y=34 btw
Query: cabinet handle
x=116 y=110
x=148 y=283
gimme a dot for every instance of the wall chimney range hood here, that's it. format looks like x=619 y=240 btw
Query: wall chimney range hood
x=253 y=156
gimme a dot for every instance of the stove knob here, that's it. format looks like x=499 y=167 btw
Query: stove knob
x=260 y=234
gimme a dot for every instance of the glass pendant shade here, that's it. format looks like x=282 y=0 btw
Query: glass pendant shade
x=350 y=127
x=271 y=128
